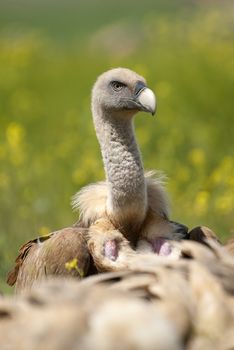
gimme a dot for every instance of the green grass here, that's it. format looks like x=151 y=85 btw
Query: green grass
x=48 y=148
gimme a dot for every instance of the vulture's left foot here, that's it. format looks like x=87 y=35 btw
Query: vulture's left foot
x=158 y=236
x=160 y=246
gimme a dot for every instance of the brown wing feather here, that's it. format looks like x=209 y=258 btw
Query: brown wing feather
x=23 y=252
x=48 y=255
x=201 y=234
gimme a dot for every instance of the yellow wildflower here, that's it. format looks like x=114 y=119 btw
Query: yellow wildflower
x=201 y=202
x=225 y=203
x=197 y=156
x=73 y=265
x=43 y=231
x=15 y=134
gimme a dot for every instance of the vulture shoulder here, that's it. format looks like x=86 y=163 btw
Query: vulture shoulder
x=48 y=255
x=91 y=200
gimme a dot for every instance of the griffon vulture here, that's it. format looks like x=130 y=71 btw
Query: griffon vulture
x=130 y=201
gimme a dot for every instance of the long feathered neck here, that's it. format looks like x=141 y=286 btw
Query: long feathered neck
x=127 y=200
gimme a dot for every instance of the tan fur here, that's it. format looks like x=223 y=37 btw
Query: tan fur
x=91 y=200
x=157 y=197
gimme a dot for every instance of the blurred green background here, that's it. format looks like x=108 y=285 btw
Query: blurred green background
x=51 y=53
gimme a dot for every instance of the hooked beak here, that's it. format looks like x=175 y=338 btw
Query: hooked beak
x=144 y=98
x=147 y=100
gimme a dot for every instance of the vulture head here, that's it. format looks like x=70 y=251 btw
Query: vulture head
x=121 y=92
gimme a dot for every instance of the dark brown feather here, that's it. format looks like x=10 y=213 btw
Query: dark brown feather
x=201 y=234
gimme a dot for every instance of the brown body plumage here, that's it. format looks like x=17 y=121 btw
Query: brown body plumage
x=48 y=255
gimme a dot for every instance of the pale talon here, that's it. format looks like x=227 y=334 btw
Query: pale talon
x=161 y=246
x=165 y=249
x=110 y=250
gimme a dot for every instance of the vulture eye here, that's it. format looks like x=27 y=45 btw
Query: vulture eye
x=117 y=85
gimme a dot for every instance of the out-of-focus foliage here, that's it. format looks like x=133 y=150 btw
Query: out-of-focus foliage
x=48 y=148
